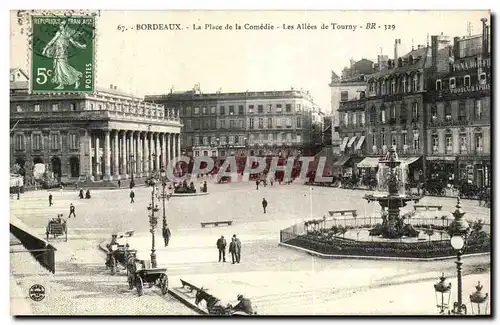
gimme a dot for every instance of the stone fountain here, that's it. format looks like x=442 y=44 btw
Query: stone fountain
x=396 y=198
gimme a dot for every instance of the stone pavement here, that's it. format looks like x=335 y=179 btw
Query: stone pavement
x=272 y=276
x=282 y=282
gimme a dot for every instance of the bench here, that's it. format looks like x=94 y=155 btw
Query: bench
x=216 y=223
x=428 y=207
x=354 y=213
x=189 y=286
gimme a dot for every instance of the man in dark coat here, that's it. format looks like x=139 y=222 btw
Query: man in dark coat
x=221 y=246
x=232 y=249
x=71 y=211
x=166 y=235
x=119 y=183
x=132 y=196
x=257 y=184
x=237 y=248
x=50 y=200
x=244 y=305
x=81 y=194
x=264 y=204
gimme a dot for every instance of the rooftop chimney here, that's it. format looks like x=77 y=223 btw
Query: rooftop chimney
x=397 y=44
x=485 y=32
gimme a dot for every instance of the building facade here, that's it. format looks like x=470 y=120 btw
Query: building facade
x=103 y=136
x=350 y=86
x=249 y=123
x=459 y=119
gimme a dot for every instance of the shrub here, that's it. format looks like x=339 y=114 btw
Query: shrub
x=377 y=231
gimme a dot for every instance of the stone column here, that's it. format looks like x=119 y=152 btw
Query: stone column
x=172 y=146
x=86 y=154
x=158 y=151
x=97 y=158
x=145 y=162
x=124 y=154
x=116 y=168
x=151 y=152
x=107 y=156
x=140 y=158
x=178 y=136
x=169 y=157
x=131 y=155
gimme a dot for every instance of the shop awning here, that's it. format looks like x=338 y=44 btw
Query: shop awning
x=369 y=162
x=349 y=144
x=344 y=143
x=360 y=142
x=341 y=162
x=409 y=160
x=441 y=158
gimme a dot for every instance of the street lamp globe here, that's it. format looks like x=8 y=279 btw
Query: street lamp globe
x=479 y=301
x=163 y=172
x=457 y=242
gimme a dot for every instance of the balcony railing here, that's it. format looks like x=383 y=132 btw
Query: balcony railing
x=450 y=123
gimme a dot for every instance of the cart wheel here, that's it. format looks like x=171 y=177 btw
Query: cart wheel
x=113 y=265
x=139 y=285
x=130 y=278
x=164 y=284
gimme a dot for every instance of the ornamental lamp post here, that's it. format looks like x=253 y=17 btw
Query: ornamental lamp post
x=443 y=293
x=459 y=231
x=478 y=299
x=164 y=195
x=153 y=220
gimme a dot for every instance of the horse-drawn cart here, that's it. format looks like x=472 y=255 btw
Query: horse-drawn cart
x=151 y=277
x=118 y=256
x=56 y=227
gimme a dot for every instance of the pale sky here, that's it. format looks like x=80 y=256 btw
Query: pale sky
x=151 y=62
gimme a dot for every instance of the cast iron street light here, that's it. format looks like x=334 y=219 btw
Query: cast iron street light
x=478 y=299
x=153 y=220
x=164 y=195
x=459 y=231
x=443 y=293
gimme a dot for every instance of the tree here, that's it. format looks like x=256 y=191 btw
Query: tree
x=429 y=232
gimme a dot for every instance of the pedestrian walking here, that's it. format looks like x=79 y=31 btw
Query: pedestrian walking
x=50 y=200
x=232 y=250
x=71 y=211
x=237 y=249
x=61 y=188
x=257 y=184
x=81 y=194
x=264 y=204
x=221 y=246
x=166 y=235
x=132 y=196
x=119 y=183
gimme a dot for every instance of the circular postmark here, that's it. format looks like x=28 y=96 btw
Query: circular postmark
x=37 y=292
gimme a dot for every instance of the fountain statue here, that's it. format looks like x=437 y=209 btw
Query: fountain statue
x=394 y=176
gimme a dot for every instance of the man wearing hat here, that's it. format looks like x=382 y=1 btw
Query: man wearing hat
x=244 y=305
x=221 y=246
x=237 y=250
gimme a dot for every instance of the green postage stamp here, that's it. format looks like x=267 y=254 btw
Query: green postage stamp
x=62 y=54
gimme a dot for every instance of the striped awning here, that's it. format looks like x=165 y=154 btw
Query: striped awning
x=369 y=162
x=411 y=160
x=344 y=143
x=351 y=141
x=360 y=142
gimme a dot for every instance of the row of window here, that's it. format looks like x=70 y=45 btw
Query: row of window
x=475 y=107
x=253 y=138
x=392 y=140
x=239 y=124
x=240 y=109
x=462 y=82
x=396 y=85
x=54 y=141
x=56 y=107
x=463 y=143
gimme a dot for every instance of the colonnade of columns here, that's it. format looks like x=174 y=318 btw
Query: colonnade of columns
x=121 y=154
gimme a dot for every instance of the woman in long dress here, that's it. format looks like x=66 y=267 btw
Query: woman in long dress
x=63 y=73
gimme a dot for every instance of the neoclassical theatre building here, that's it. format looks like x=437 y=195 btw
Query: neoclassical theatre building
x=90 y=137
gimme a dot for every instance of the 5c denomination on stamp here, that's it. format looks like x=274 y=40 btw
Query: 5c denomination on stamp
x=62 y=54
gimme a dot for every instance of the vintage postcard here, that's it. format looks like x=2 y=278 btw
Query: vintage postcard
x=251 y=163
